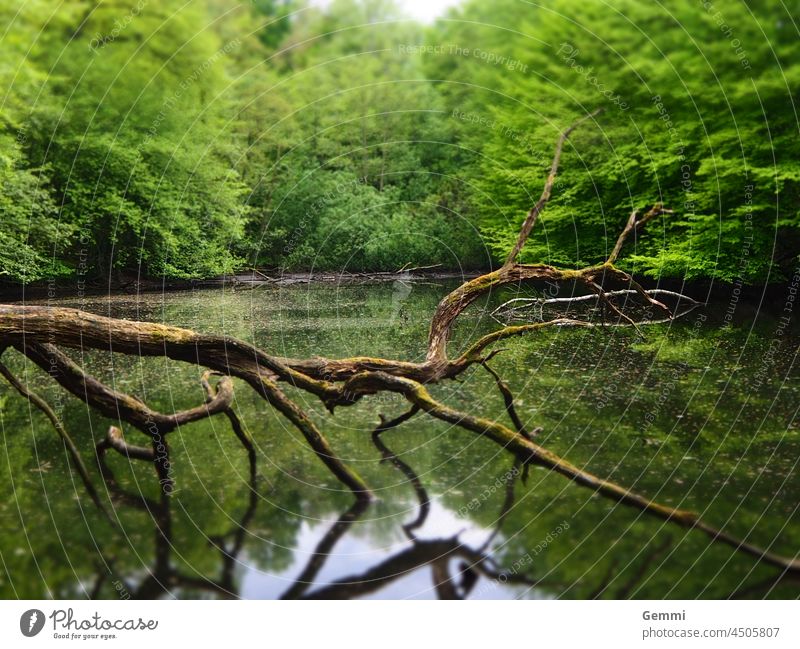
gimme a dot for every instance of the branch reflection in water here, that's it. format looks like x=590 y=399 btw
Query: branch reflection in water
x=456 y=566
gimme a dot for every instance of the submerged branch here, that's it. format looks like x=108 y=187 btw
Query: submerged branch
x=522 y=304
x=530 y=452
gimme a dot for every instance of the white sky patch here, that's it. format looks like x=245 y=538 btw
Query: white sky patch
x=423 y=10
x=427 y=10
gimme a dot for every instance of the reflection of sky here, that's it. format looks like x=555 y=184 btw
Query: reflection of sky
x=354 y=554
x=424 y=10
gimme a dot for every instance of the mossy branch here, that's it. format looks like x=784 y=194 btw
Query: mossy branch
x=341 y=382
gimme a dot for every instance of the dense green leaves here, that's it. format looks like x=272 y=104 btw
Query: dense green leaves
x=699 y=113
x=125 y=122
x=192 y=139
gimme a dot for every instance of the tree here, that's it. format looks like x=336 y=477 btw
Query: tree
x=32 y=237
x=126 y=127
x=355 y=150
x=699 y=104
x=38 y=332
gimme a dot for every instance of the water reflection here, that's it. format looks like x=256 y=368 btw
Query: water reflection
x=678 y=415
x=164 y=577
x=455 y=566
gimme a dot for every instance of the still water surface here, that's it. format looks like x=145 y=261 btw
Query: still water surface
x=695 y=415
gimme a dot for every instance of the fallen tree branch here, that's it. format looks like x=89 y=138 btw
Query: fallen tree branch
x=115 y=440
x=530 y=219
x=343 y=382
x=532 y=453
x=633 y=225
x=128 y=408
x=519 y=303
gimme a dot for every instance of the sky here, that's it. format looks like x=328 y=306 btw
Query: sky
x=423 y=10
x=426 y=10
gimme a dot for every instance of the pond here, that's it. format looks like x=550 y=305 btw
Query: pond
x=700 y=413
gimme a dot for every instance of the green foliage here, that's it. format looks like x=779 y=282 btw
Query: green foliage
x=129 y=137
x=698 y=114
x=30 y=231
x=348 y=168
x=192 y=139
x=31 y=228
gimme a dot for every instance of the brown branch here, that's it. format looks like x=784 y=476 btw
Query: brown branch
x=457 y=301
x=23 y=325
x=241 y=433
x=633 y=225
x=639 y=289
x=128 y=408
x=115 y=440
x=114 y=404
x=508 y=399
x=530 y=452
x=473 y=352
x=530 y=219
x=316 y=440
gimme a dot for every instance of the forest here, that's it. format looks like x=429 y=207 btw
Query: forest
x=332 y=299
x=182 y=140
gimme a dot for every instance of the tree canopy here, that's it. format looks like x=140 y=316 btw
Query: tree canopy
x=187 y=140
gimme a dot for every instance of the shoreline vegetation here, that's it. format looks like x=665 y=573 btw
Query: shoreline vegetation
x=707 y=290
x=768 y=298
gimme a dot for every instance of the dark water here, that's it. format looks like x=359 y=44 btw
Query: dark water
x=696 y=415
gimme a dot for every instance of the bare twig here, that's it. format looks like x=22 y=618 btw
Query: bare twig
x=508 y=399
x=530 y=219
x=633 y=225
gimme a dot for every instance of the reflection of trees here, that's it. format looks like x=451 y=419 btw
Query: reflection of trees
x=164 y=577
x=438 y=555
x=606 y=587
x=453 y=567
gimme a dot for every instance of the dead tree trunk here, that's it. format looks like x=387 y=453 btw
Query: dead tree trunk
x=39 y=332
